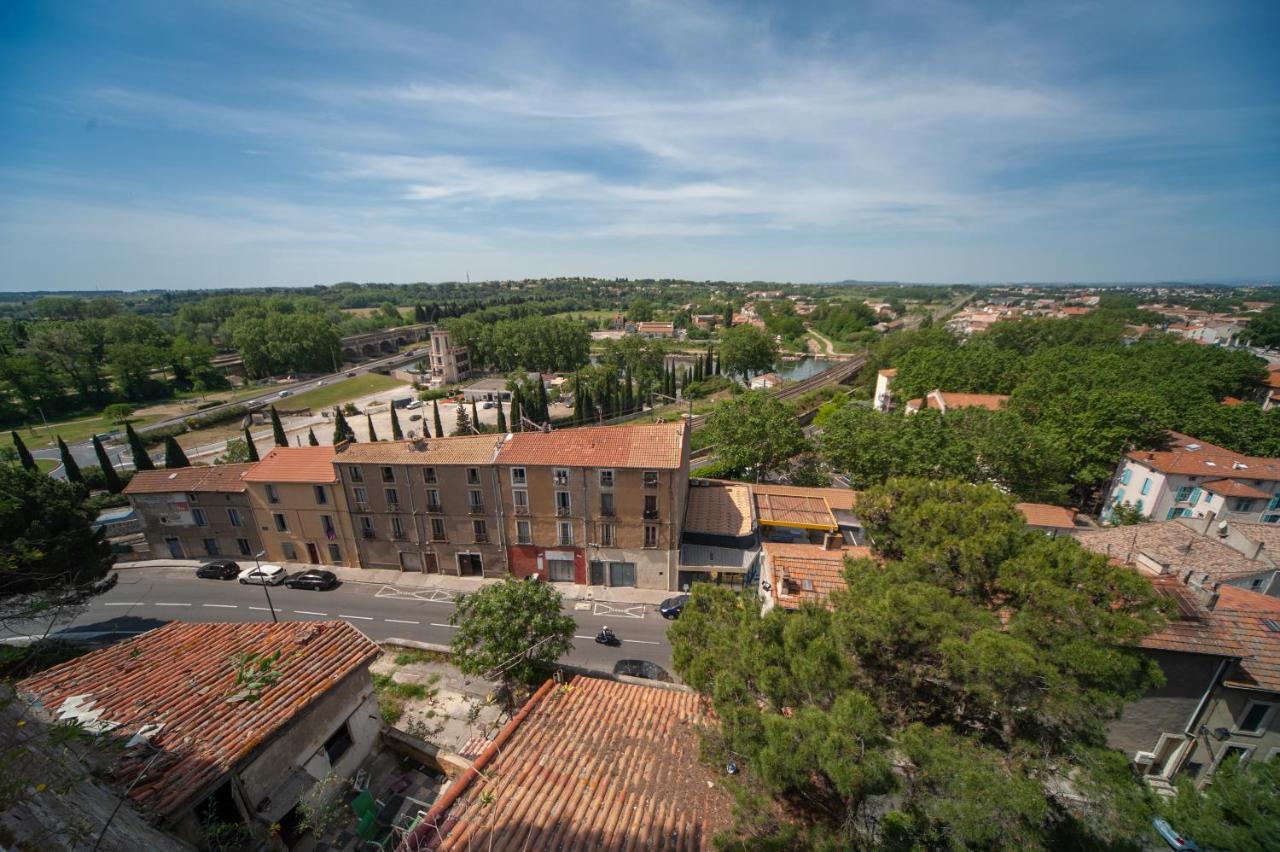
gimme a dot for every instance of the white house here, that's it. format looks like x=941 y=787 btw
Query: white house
x=883 y=400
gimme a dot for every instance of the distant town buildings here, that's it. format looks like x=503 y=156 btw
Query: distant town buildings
x=450 y=364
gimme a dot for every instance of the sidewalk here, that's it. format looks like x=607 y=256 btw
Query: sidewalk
x=416 y=580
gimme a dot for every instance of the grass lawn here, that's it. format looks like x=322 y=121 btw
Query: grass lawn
x=47 y=465
x=81 y=429
x=330 y=395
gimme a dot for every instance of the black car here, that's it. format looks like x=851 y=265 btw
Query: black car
x=315 y=579
x=672 y=607
x=641 y=668
x=218 y=569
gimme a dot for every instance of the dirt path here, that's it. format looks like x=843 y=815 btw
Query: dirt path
x=820 y=345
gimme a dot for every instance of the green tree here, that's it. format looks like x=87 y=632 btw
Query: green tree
x=277 y=429
x=368 y=419
x=1264 y=329
x=1126 y=514
x=1240 y=810
x=341 y=429
x=640 y=310
x=250 y=448
x=435 y=417
x=237 y=452
x=754 y=433
x=174 y=457
x=396 y=434
x=312 y=440
x=117 y=412
x=953 y=696
x=462 y=421
x=475 y=416
x=141 y=459
x=511 y=631
x=746 y=349
x=502 y=420
x=109 y=476
x=69 y=466
x=24 y=455
x=50 y=555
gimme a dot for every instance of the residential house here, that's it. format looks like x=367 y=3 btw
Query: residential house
x=791 y=513
x=194 y=512
x=597 y=505
x=706 y=322
x=794 y=574
x=1194 y=478
x=1270 y=394
x=590 y=764
x=300 y=507
x=944 y=402
x=1051 y=520
x=487 y=390
x=427 y=505
x=719 y=542
x=450 y=364
x=200 y=743
x=764 y=381
x=883 y=399
x=656 y=329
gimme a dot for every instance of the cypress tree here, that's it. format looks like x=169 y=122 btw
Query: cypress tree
x=109 y=475
x=174 y=457
x=24 y=455
x=312 y=440
x=502 y=420
x=728 y=315
x=341 y=429
x=69 y=465
x=141 y=461
x=253 y=448
x=544 y=406
x=435 y=415
x=475 y=417
x=628 y=394
x=277 y=429
x=373 y=436
x=517 y=409
x=396 y=434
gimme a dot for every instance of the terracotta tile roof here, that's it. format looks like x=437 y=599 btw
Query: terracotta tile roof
x=1234 y=488
x=1273 y=376
x=1267 y=534
x=1044 y=515
x=1189 y=456
x=719 y=509
x=1191 y=627
x=178 y=681
x=656 y=327
x=199 y=478
x=989 y=401
x=1232 y=401
x=890 y=373
x=1173 y=545
x=651 y=446
x=594 y=764
x=807 y=572
x=295 y=464
x=790 y=505
x=1249 y=613
x=463 y=449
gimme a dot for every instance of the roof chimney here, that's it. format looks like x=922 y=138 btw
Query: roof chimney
x=832 y=541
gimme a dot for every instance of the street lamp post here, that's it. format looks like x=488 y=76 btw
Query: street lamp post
x=256 y=557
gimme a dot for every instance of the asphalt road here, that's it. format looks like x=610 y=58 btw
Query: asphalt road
x=144 y=599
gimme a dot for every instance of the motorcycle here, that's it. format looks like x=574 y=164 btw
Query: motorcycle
x=607 y=637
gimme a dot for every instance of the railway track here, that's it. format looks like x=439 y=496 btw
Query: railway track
x=840 y=372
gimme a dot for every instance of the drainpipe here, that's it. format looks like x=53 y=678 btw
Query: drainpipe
x=413 y=513
x=1190 y=730
x=502 y=522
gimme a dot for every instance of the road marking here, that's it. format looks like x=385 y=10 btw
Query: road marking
x=633 y=611
x=451 y=626
x=221 y=606
x=641 y=642
x=157 y=603
x=309 y=612
x=583 y=637
x=424 y=595
x=132 y=603
x=360 y=617
x=400 y=621
x=261 y=608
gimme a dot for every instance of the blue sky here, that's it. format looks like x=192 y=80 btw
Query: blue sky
x=210 y=144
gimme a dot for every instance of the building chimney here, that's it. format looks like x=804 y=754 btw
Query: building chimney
x=832 y=541
x=1206 y=590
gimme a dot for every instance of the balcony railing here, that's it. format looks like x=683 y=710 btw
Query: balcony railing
x=651 y=514
x=435 y=508
x=399 y=535
x=362 y=507
x=482 y=539
x=393 y=507
x=606 y=512
x=561 y=511
x=521 y=510
x=368 y=534
x=476 y=508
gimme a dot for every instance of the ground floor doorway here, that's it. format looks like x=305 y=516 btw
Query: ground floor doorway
x=470 y=565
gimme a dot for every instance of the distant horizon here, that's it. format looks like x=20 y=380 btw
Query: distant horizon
x=210 y=144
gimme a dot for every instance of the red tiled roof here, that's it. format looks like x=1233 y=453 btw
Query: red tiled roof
x=807 y=572
x=1231 y=401
x=594 y=764
x=199 y=478
x=1175 y=547
x=1191 y=628
x=295 y=464
x=1248 y=612
x=890 y=373
x=1233 y=488
x=653 y=446
x=1189 y=456
x=460 y=449
x=178 y=682
x=719 y=509
x=989 y=401
x=1044 y=515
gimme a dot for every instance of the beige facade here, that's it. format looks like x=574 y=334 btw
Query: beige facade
x=195 y=512
x=449 y=364
x=301 y=509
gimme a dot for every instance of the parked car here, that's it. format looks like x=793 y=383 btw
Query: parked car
x=672 y=607
x=487 y=405
x=350 y=373
x=417 y=403
x=218 y=569
x=316 y=580
x=1172 y=837
x=415 y=416
x=285 y=393
x=263 y=575
x=641 y=668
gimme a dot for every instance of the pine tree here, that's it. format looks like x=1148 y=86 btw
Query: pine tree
x=277 y=429
x=312 y=440
x=24 y=455
x=341 y=429
x=141 y=461
x=69 y=466
x=396 y=434
x=502 y=420
x=475 y=417
x=109 y=475
x=174 y=457
x=462 y=421
x=373 y=436
x=435 y=416
x=253 y=448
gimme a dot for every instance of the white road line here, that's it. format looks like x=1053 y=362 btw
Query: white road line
x=157 y=603
x=221 y=606
x=400 y=621
x=641 y=642
x=360 y=617
x=450 y=626
x=261 y=608
x=131 y=603
x=309 y=612
x=583 y=637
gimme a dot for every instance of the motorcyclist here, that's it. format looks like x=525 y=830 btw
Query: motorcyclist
x=605 y=636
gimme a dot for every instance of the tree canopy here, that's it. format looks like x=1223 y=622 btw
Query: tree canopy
x=746 y=349
x=954 y=696
x=754 y=433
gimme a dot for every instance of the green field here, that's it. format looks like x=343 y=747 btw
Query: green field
x=47 y=465
x=81 y=429
x=348 y=389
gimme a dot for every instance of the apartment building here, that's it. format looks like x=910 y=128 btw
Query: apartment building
x=449 y=364
x=599 y=505
x=300 y=507
x=195 y=512
x=1194 y=478
x=428 y=505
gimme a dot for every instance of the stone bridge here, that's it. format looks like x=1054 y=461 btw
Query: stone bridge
x=357 y=347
